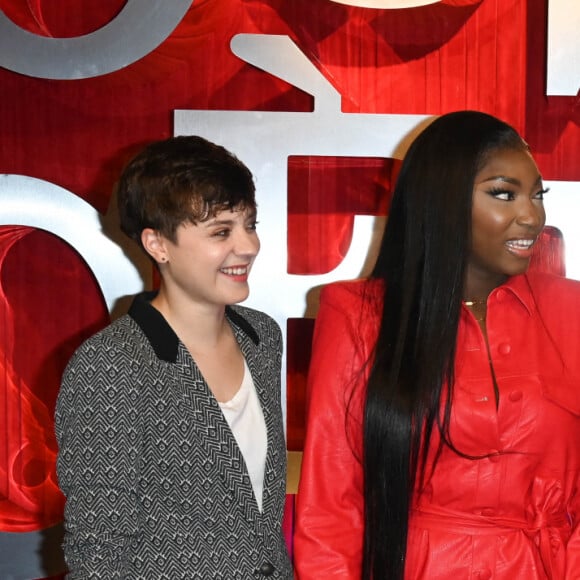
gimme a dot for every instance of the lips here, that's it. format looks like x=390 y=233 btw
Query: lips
x=523 y=244
x=235 y=271
x=521 y=247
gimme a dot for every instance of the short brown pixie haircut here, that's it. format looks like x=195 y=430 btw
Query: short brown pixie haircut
x=180 y=179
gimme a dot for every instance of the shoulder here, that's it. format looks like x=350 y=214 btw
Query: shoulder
x=557 y=303
x=548 y=288
x=345 y=295
x=253 y=321
x=103 y=366
x=551 y=282
x=122 y=339
x=253 y=316
x=115 y=334
x=349 y=315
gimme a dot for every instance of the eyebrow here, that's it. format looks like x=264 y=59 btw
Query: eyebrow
x=510 y=180
x=216 y=222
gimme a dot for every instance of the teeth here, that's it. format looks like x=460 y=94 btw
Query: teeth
x=521 y=244
x=239 y=271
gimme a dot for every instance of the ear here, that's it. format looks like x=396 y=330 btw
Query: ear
x=154 y=244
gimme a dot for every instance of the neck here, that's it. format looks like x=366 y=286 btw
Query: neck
x=478 y=308
x=194 y=323
x=475 y=301
x=479 y=285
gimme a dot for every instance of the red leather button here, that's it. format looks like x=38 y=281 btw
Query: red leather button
x=515 y=396
x=504 y=348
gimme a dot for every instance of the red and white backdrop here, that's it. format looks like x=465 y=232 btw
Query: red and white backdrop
x=319 y=98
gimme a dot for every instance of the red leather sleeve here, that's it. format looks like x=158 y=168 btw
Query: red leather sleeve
x=329 y=511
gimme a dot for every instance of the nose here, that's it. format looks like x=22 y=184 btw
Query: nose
x=247 y=243
x=531 y=214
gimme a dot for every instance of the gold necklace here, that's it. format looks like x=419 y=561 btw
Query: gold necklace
x=478 y=308
x=476 y=302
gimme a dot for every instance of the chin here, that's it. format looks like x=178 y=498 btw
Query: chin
x=518 y=270
x=238 y=297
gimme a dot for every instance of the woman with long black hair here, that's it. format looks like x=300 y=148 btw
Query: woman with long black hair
x=443 y=434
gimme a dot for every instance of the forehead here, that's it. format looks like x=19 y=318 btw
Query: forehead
x=236 y=213
x=516 y=163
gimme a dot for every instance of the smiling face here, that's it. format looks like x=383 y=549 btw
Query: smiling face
x=507 y=217
x=209 y=262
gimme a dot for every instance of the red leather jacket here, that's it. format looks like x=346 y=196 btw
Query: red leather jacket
x=512 y=514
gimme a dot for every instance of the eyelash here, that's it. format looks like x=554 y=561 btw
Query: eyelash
x=496 y=192
x=543 y=192
x=226 y=232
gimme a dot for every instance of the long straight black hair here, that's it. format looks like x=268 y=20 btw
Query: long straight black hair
x=422 y=259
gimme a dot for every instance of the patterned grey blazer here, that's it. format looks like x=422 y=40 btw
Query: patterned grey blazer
x=156 y=485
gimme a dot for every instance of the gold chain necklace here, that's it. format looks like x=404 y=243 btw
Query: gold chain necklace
x=476 y=302
x=478 y=308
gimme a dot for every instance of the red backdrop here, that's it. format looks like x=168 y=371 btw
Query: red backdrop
x=480 y=54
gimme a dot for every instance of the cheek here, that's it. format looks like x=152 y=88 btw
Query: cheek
x=543 y=216
x=207 y=257
x=487 y=237
x=490 y=223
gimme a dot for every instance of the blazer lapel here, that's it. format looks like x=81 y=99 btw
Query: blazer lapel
x=276 y=448
x=213 y=434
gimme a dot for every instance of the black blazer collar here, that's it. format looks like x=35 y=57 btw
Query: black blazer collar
x=163 y=339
